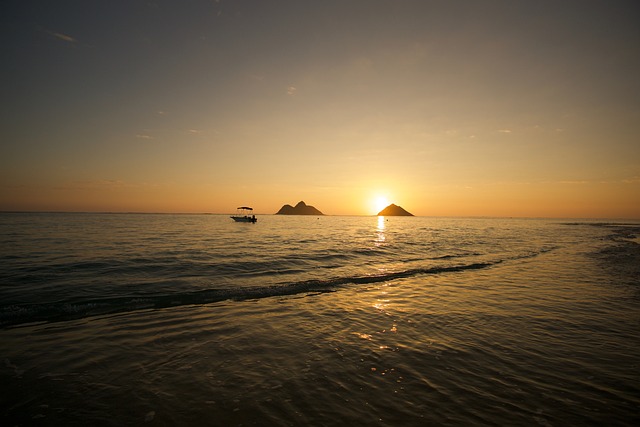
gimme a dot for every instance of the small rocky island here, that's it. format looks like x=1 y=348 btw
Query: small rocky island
x=300 y=209
x=394 y=210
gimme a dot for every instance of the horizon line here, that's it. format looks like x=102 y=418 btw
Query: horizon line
x=352 y=215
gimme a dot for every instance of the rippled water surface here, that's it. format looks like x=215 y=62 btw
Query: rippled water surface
x=197 y=320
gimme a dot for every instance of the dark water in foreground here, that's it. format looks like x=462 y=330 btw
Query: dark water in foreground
x=196 y=320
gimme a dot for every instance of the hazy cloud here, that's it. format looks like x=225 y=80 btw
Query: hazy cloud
x=291 y=90
x=504 y=130
x=256 y=77
x=61 y=36
x=582 y=182
x=100 y=184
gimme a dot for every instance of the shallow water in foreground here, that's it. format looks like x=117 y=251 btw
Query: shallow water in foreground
x=331 y=321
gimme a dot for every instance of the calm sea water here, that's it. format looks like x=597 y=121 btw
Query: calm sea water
x=117 y=319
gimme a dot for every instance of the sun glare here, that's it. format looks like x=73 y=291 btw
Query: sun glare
x=379 y=203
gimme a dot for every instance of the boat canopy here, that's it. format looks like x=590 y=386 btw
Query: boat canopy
x=246 y=208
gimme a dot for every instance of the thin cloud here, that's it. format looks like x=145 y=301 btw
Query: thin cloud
x=61 y=36
x=631 y=180
x=99 y=184
x=65 y=37
x=504 y=130
x=256 y=77
x=291 y=90
x=143 y=136
x=582 y=182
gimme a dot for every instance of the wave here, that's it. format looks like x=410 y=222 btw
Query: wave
x=16 y=315
x=71 y=309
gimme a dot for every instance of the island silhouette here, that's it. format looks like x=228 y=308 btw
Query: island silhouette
x=394 y=210
x=300 y=209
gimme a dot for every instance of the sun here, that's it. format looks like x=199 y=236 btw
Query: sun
x=379 y=203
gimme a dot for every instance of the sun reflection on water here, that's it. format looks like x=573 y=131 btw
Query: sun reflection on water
x=380 y=236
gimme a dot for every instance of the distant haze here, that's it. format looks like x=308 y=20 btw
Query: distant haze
x=462 y=108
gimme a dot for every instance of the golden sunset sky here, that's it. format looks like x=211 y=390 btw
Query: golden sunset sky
x=457 y=108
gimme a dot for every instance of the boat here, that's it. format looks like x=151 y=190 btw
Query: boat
x=245 y=214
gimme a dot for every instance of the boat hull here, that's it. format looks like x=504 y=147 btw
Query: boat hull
x=244 y=219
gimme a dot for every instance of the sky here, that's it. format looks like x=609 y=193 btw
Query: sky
x=446 y=108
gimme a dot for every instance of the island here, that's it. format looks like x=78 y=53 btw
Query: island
x=394 y=210
x=300 y=209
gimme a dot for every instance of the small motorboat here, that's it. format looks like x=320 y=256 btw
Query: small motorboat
x=245 y=214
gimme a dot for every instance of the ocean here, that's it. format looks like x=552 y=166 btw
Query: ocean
x=187 y=320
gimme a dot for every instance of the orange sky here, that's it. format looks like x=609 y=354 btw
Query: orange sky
x=445 y=108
